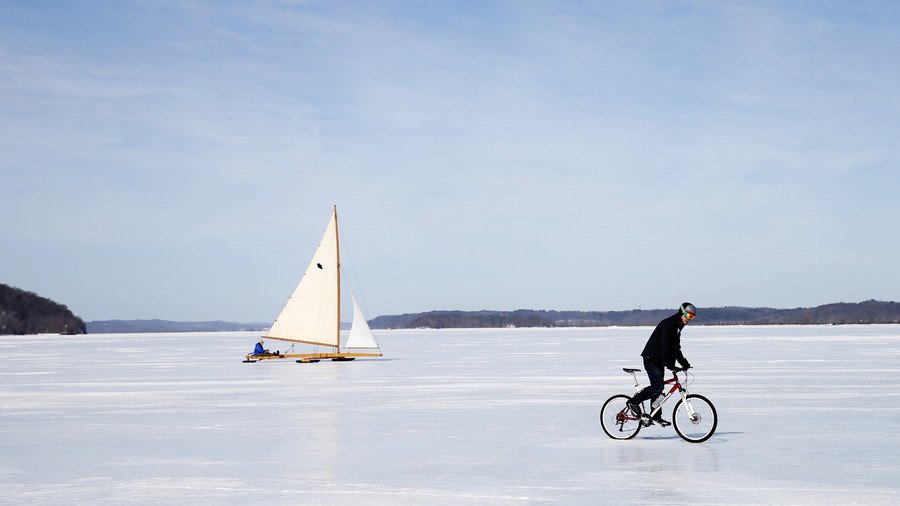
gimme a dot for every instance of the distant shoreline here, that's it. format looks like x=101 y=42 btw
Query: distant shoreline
x=151 y=326
x=867 y=312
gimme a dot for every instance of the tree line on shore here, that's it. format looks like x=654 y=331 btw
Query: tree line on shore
x=867 y=312
x=24 y=312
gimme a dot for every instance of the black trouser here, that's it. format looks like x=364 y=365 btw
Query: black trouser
x=656 y=375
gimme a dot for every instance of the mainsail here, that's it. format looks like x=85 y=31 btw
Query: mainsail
x=311 y=313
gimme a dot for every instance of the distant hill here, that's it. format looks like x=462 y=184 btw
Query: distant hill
x=146 y=326
x=151 y=326
x=870 y=311
x=24 y=312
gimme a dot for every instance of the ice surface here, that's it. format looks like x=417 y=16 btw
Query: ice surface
x=807 y=415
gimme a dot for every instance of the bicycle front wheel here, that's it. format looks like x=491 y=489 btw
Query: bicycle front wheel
x=617 y=420
x=695 y=418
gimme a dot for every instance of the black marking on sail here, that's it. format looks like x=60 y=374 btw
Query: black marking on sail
x=319 y=266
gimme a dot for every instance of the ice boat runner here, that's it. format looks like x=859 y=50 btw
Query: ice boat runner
x=312 y=314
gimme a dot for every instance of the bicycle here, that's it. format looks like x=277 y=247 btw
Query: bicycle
x=694 y=417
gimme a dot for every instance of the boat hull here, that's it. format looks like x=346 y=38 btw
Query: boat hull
x=309 y=357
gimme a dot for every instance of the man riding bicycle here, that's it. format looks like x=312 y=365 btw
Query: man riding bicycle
x=662 y=350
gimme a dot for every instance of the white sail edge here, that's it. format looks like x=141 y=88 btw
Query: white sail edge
x=361 y=336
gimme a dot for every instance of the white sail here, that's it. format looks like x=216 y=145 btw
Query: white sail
x=311 y=313
x=361 y=336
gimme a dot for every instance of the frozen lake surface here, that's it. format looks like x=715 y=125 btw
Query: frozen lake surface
x=807 y=415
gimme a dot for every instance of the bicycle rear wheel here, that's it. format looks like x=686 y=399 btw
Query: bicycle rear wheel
x=617 y=420
x=696 y=420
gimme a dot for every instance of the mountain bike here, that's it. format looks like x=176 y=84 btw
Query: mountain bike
x=694 y=417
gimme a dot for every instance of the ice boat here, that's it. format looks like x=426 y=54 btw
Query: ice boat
x=312 y=315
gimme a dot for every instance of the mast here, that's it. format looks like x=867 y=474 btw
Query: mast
x=337 y=255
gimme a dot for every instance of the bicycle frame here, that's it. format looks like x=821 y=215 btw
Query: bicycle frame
x=676 y=387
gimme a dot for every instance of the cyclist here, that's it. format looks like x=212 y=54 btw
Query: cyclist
x=662 y=350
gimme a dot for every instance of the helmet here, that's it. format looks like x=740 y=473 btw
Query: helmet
x=688 y=310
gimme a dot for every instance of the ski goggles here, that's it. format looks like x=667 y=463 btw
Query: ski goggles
x=689 y=316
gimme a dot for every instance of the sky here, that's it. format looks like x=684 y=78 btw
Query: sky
x=180 y=160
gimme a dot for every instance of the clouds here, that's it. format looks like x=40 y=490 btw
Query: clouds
x=473 y=149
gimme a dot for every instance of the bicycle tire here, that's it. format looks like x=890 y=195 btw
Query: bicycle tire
x=614 y=425
x=703 y=426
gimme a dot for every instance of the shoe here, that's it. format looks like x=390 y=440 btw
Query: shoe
x=658 y=419
x=635 y=408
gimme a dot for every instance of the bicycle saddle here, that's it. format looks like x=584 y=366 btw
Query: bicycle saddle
x=631 y=370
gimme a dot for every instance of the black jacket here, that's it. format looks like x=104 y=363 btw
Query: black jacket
x=664 y=346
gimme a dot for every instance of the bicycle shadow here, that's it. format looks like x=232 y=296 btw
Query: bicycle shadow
x=662 y=437
x=658 y=438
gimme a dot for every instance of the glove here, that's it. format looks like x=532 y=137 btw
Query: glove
x=686 y=366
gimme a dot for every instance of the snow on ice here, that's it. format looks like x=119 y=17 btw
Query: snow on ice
x=807 y=414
